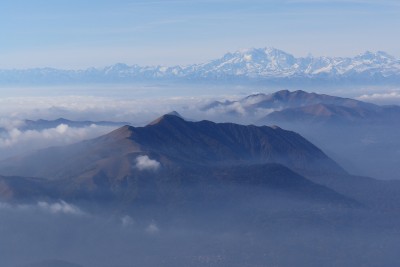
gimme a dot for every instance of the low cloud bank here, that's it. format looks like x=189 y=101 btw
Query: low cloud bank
x=15 y=141
x=60 y=207
x=382 y=98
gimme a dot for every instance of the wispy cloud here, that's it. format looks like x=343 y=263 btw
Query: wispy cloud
x=382 y=98
x=152 y=228
x=60 y=207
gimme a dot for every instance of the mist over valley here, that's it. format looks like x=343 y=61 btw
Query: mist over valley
x=225 y=194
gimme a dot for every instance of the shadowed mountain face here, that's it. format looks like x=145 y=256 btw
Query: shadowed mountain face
x=211 y=143
x=172 y=140
x=169 y=159
x=176 y=187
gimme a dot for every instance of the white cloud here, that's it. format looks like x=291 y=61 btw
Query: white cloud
x=16 y=141
x=152 y=228
x=145 y=163
x=237 y=112
x=62 y=128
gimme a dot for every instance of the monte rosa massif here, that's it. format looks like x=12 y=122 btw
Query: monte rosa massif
x=249 y=65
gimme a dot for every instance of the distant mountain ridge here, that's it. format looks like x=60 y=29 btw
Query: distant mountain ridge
x=297 y=106
x=256 y=64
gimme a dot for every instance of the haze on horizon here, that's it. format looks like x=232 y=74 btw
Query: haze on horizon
x=72 y=34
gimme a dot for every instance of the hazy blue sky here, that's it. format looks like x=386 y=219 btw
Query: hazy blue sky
x=78 y=33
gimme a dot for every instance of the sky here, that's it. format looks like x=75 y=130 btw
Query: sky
x=78 y=34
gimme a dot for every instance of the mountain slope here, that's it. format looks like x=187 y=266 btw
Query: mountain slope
x=171 y=140
x=174 y=162
x=176 y=187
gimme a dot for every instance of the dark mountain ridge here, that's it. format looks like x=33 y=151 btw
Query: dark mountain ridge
x=172 y=160
x=172 y=139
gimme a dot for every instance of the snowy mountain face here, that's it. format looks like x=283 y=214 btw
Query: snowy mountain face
x=265 y=64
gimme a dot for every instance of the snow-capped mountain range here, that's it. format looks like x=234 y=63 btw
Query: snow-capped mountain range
x=256 y=64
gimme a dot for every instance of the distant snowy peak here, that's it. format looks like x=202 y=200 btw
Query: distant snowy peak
x=262 y=56
x=270 y=62
x=255 y=64
x=267 y=63
x=379 y=56
x=252 y=63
